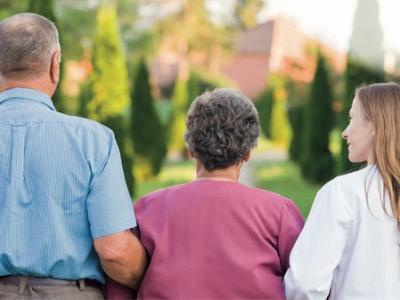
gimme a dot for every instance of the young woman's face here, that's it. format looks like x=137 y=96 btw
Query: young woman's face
x=359 y=135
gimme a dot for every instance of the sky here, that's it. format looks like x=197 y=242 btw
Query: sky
x=331 y=20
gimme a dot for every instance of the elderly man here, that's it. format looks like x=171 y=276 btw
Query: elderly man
x=65 y=212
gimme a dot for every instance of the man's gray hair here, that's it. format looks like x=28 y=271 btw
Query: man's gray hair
x=27 y=42
x=222 y=126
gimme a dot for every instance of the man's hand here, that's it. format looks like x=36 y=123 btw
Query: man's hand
x=122 y=257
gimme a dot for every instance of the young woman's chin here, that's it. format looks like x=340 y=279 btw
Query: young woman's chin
x=356 y=159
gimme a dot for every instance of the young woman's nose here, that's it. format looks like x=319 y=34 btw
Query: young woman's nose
x=344 y=134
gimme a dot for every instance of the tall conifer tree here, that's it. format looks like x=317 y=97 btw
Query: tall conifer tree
x=109 y=85
x=364 y=61
x=148 y=135
x=264 y=103
x=317 y=163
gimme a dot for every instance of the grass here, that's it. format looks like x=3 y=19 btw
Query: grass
x=281 y=177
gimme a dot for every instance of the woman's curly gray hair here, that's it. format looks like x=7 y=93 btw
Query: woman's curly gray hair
x=221 y=127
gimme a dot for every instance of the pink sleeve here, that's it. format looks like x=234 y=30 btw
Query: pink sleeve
x=290 y=227
x=116 y=291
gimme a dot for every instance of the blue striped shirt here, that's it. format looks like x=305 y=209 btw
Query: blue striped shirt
x=61 y=186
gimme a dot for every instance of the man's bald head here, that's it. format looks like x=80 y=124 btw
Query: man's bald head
x=27 y=42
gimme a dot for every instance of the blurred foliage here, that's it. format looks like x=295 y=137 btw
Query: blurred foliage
x=148 y=134
x=177 y=125
x=296 y=118
x=78 y=25
x=44 y=8
x=85 y=96
x=10 y=7
x=317 y=162
x=246 y=12
x=281 y=132
x=264 y=103
x=110 y=76
x=191 y=34
x=297 y=97
x=77 y=19
x=364 y=63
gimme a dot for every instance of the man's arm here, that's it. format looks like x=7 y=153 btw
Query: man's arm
x=122 y=257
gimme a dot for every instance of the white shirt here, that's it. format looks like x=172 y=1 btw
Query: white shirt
x=349 y=248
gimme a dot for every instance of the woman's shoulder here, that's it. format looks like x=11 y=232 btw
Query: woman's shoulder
x=344 y=192
x=158 y=195
x=269 y=198
x=352 y=182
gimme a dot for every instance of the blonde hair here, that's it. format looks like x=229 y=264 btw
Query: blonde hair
x=380 y=103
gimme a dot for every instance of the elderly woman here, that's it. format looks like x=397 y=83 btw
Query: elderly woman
x=215 y=237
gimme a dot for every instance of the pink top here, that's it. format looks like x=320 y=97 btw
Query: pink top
x=215 y=239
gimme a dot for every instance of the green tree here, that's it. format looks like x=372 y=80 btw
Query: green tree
x=296 y=118
x=246 y=12
x=280 y=130
x=298 y=95
x=264 y=103
x=364 y=62
x=43 y=7
x=194 y=87
x=190 y=30
x=317 y=163
x=110 y=75
x=8 y=7
x=109 y=86
x=85 y=96
x=178 y=115
x=148 y=134
x=46 y=9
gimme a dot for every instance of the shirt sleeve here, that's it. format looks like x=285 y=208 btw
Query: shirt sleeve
x=319 y=248
x=109 y=205
x=290 y=226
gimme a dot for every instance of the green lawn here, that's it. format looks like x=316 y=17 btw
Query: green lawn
x=280 y=177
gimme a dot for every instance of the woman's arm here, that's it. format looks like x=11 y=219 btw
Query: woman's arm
x=320 y=246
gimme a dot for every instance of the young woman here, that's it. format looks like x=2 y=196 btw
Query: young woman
x=350 y=245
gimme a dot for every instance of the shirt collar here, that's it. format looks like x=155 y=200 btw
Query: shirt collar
x=27 y=94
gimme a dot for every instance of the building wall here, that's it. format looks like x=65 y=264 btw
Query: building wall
x=249 y=72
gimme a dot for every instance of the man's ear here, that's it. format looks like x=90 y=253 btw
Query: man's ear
x=55 y=66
